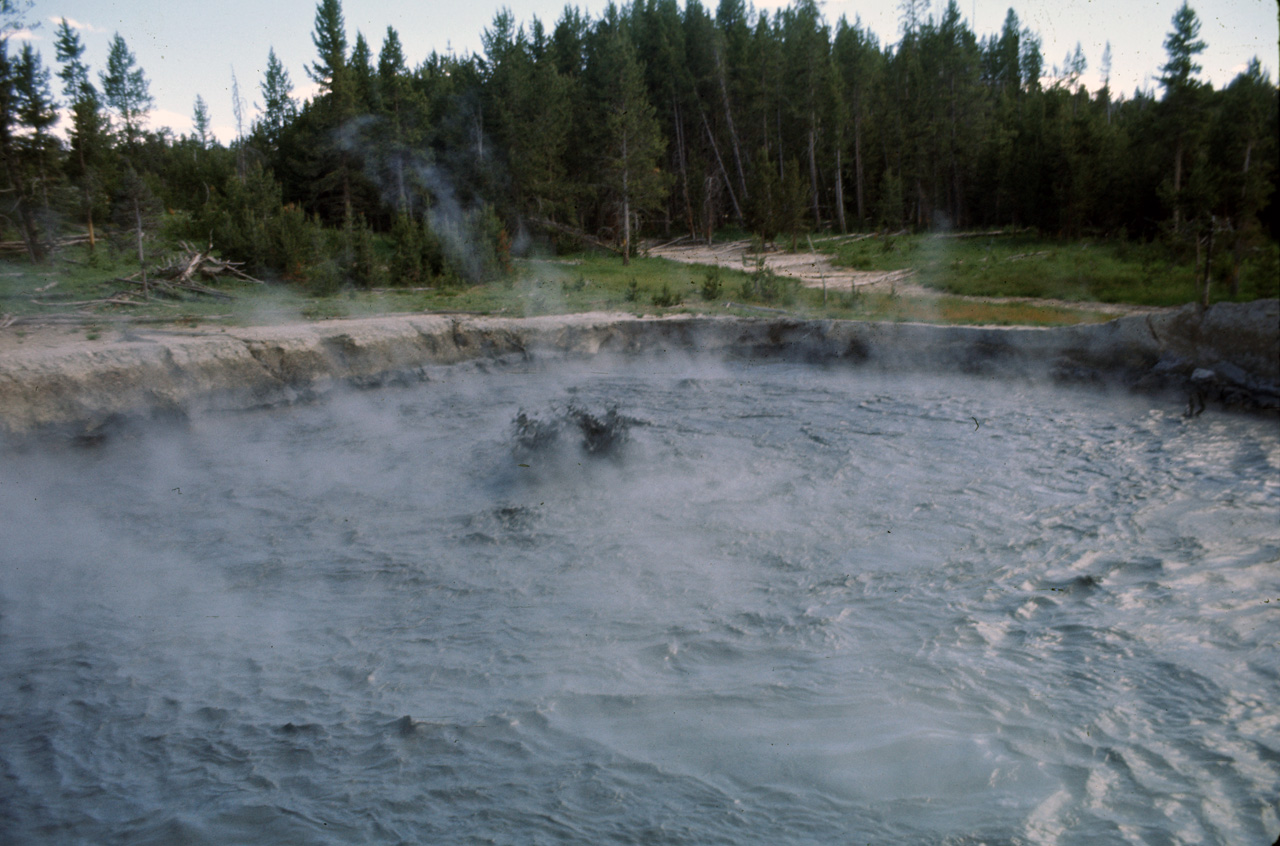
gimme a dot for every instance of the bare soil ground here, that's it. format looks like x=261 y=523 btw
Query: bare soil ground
x=812 y=269
x=89 y=337
x=815 y=270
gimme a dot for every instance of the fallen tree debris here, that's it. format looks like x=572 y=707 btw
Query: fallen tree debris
x=181 y=273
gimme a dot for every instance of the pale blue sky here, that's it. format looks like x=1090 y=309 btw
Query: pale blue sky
x=189 y=48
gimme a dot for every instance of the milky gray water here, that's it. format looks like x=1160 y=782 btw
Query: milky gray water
x=795 y=606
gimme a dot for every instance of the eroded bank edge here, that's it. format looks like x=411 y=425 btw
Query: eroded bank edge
x=1228 y=354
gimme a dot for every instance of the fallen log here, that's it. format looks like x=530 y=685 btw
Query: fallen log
x=576 y=233
x=163 y=286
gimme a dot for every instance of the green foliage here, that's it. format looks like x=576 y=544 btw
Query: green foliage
x=299 y=245
x=278 y=106
x=126 y=90
x=666 y=297
x=764 y=208
x=762 y=284
x=246 y=221
x=779 y=200
x=712 y=284
x=475 y=246
x=407 y=261
x=1183 y=45
x=366 y=269
x=324 y=279
x=1260 y=276
x=631 y=143
x=330 y=39
x=660 y=120
x=1026 y=265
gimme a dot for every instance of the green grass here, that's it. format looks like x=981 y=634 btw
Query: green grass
x=1022 y=265
x=578 y=283
x=1011 y=265
x=71 y=284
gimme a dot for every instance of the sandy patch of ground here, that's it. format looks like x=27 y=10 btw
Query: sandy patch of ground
x=815 y=270
x=28 y=338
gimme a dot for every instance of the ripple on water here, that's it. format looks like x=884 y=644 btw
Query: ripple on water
x=800 y=606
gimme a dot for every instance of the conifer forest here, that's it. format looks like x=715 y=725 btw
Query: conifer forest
x=654 y=120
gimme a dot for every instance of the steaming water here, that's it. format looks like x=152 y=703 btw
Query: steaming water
x=798 y=606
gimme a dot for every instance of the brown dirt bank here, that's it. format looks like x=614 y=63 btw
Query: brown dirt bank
x=51 y=382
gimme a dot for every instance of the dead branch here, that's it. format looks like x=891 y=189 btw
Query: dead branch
x=166 y=288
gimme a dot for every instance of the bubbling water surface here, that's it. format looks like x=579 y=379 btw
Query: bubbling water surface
x=783 y=605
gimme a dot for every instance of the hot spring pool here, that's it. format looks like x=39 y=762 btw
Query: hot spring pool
x=792 y=605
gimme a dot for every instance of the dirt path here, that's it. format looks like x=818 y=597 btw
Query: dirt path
x=815 y=270
x=812 y=269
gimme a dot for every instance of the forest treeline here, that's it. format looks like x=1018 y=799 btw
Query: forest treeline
x=653 y=119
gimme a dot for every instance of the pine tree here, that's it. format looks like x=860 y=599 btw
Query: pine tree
x=37 y=112
x=200 y=122
x=860 y=65
x=810 y=92
x=16 y=199
x=1003 y=67
x=11 y=16
x=126 y=90
x=330 y=40
x=404 y=119
x=332 y=163
x=1183 y=45
x=278 y=106
x=632 y=141
x=70 y=52
x=1183 y=105
x=764 y=206
x=1244 y=146
x=88 y=133
x=363 y=78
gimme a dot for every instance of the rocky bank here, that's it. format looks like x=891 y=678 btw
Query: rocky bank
x=1228 y=354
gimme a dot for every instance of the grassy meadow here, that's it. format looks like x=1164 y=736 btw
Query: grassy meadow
x=89 y=291
x=1026 y=265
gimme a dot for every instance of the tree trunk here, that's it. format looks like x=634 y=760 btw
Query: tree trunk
x=346 y=189
x=813 y=172
x=1238 y=247
x=88 y=196
x=1236 y=257
x=684 y=170
x=402 y=196
x=737 y=210
x=26 y=226
x=626 y=229
x=733 y=133
x=844 y=229
x=1208 y=267
x=857 y=165
x=626 y=205
x=30 y=236
x=1177 y=187
x=142 y=259
x=781 y=173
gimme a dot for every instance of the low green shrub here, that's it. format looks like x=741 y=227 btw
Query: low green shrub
x=712 y=284
x=666 y=298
